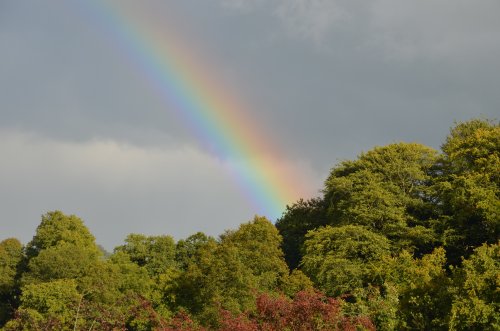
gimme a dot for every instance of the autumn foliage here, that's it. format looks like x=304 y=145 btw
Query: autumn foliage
x=307 y=311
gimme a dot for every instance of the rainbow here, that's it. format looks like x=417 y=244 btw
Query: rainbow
x=214 y=117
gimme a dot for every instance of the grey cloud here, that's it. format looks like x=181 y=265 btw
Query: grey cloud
x=117 y=189
x=403 y=29
x=62 y=77
x=311 y=19
x=375 y=72
x=324 y=79
x=443 y=29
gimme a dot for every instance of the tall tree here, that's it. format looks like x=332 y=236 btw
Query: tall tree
x=387 y=190
x=62 y=248
x=230 y=274
x=344 y=261
x=56 y=227
x=468 y=187
x=259 y=246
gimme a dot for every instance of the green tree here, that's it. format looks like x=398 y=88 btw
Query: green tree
x=47 y=306
x=258 y=244
x=473 y=147
x=63 y=251
x=388 y=191
x=423 y=288
x=129 y=278
x=230 y=273
x=298 y=219
x=217 y=279
x=187 y=250
x=11 y=254
x=468 y=187
x=64 y=260
x=56 y=227
x=342 y=259
x=476 y=305
x=296 y=282
x=62 y=248
x=345 y=261
x=155 y=253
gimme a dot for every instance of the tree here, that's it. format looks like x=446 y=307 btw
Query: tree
x=306 y=312
x=468 y=187
x=296 y=282
x=62 y=247
x=423 y=288
x=298 y=219
x=473 y=147
x=56 y=227
x=230 y=274
x=64 y=260
x=341 y=259
x=386 y=190
x=49 y=305
x=155 y=253
x=187 y=250
x=476 y=305
x=11 y=255
x=62 y=253
x=258 y=244
x=218 y=279
x=345 y=261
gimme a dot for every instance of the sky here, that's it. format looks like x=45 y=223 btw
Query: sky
x=85 y=131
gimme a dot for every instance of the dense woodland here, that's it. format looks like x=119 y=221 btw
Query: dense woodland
x=402 y=238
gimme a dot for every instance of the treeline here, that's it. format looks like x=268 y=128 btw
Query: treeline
x=402 y=238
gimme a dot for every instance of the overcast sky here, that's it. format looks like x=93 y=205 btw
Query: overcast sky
x=83 y=132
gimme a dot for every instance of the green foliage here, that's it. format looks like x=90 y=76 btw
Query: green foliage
x=56 y=227
x=128 y=276
x=296 y=282
x=230 y=274
x=155 y=253
x=386 y=190
x=219 y=279
x=469 y=188
x=476 y=305
x=50 y=305
x=62 y=248
x=341 y=259
x=258 y=244
x=63 y=260
x=11 y=254
x=297 y=220
x=423 y=288
x=64 y=252
x=186 y=251
x=474 y=147
x=379 y=302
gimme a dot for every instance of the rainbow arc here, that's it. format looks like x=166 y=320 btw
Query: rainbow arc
x=186 y=85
